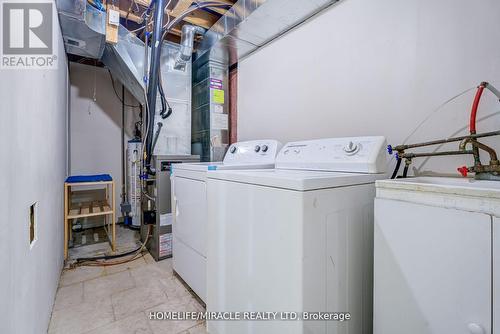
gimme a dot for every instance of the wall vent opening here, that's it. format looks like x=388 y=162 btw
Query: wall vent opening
x=32 y=223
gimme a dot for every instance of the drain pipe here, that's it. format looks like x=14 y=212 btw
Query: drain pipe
x=157 y=134
x=156 y=44
x=187 y=41
x=124 y=205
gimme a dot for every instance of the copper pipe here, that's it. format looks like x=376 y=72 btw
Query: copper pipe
x=491 y=152
x=432 y=154
x=400 y=148
x=479 y=145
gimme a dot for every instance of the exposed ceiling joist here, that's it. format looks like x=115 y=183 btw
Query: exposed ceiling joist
x=131 y=17
x=182 y=6
x=201 y=18
x=144 y=3
x=227 y=2
x=219 y=10
x=176 y=31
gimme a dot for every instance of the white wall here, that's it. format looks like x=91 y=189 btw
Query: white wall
x=367 y=67
x=95 y=126
x=33 y=110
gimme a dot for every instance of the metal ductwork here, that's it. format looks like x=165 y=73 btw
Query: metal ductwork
x=125 y=60
x=247 y=26
x=83 y=28
x=250 y=24
x=187 y=41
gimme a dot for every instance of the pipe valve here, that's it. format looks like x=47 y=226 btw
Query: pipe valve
x=463 y=170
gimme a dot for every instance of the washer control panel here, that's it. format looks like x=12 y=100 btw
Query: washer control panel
x=253 y=152
x=349 y=154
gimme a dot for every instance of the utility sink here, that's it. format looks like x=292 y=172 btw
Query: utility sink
x=455 y=182
x=449 y=192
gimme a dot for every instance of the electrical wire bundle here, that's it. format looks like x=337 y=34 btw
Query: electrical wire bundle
x=118 y=96
x=109 y=260
x=97 y=4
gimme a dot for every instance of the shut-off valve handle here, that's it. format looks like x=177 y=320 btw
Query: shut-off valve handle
x=463 y=170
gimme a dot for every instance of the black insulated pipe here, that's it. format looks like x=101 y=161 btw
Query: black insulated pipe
x=405 y=171
x=157 y=134
x=396 y=169
x=156 y=44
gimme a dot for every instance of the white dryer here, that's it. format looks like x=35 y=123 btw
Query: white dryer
x=297 y=238
x=190 y=206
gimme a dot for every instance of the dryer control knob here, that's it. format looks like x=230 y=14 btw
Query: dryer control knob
x=264 y=148
x=257 y=148
x=233 y=149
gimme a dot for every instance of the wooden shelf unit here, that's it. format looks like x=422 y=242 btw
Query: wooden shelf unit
x=94 y=208
x=89 y=209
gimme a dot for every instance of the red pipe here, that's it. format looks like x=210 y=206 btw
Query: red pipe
x=473 y=112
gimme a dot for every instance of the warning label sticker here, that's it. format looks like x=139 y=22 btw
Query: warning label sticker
x=215 y=83
x=218 y=96
x=165 y=244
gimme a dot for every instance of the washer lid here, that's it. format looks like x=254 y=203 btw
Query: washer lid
x=300 y=180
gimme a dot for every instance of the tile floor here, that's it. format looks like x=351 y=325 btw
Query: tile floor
x=118 y=299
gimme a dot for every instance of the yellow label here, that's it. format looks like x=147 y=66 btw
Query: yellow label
x=218 y=96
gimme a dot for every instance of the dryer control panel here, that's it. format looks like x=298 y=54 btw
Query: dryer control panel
x=252 y=152
x=349 y=154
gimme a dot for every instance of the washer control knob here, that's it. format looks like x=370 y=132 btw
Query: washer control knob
x=351 y=148
x=233 y=149
x=257 y=148
x=264 y=148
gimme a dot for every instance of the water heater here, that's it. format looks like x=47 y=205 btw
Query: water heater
x=134 y=154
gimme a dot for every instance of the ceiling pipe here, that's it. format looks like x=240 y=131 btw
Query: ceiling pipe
x=187 y=41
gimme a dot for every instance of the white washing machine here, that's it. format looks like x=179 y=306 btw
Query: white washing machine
x=437 y=256
x=297 y=238
x=190 y=206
